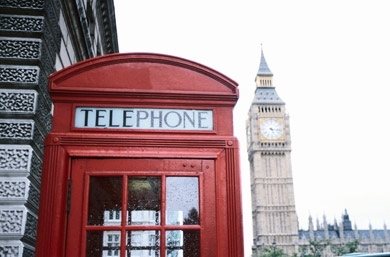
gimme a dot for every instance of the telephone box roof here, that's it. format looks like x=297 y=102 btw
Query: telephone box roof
x=143 y=75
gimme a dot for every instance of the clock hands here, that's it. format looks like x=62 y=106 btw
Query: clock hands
x=275 y=129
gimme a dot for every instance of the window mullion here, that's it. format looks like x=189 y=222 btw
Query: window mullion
x=85 y=216
x=124 y=216
x=163 y=213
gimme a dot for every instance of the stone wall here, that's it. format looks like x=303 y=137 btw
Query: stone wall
x=35 y=41
x=24 y=119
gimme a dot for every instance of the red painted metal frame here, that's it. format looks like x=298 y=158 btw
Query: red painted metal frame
x=140 y=80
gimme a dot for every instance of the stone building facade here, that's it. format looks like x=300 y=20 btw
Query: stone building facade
x=38 y=37
x=340 y=233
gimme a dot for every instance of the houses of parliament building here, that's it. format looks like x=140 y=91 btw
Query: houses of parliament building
x=275 y=221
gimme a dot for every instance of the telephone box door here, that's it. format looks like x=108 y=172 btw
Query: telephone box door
x=142 y=207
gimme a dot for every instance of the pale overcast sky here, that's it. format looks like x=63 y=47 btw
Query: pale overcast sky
x=331 y=65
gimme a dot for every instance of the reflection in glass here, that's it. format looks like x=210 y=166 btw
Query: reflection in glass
x=144 y=200
x=103 y=243
x=143 y=243
x=112 y=217
x=182 y=243
x=105 y=201
x=182 y=200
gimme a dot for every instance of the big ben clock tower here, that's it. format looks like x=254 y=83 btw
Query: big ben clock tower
x=274 y=217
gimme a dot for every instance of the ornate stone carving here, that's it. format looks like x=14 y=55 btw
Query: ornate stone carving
x=17 y=222
x=11 y=221
x=33 y=199
x=18 y=101
x=47 y=60
x=19 y=74
x=22 y=49
x=50 y=45
x=31 y=226
x=9 y=250
x=13 y=248
x=45 y=117
x=43 y=89
x=28 y=252
x=23 y=4
x=36 y=169
x=39 y=138
x=15 y=158
x=16 y=129
x=21 y=23
x=13 y=189
x=51 y=24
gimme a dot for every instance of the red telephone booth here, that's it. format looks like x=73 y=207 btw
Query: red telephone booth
x=141 y=161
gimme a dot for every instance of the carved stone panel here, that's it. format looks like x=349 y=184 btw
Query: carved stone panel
x=12 y=221
x=17 y=222
x=13 y=131
x=10 y=250
x=18 y=101
x=20 y=48
x=21 y=23
x=19 y=74
x=15 y=159
x=16 y=129
x=14 y=190
x=14 y=248
x=23 y=4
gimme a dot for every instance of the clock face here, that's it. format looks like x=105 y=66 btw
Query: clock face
x=271 y=129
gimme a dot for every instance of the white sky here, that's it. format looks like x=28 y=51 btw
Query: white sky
x=331 y=65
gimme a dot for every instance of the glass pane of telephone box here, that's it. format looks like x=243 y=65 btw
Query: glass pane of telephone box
x=182 y=201
x=182 y=243
x=105 y=201
x=144 y=243
x=144 y=200
x=103 y=243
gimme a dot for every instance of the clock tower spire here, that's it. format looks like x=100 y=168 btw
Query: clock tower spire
x=269 y=153
x=264 y=75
